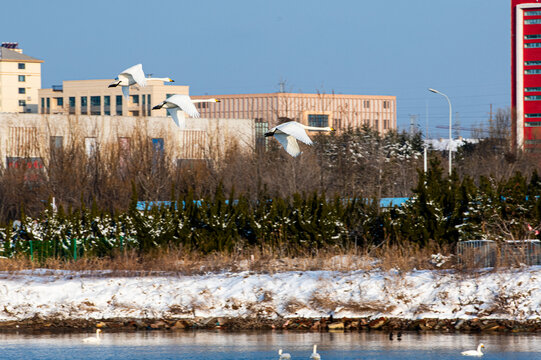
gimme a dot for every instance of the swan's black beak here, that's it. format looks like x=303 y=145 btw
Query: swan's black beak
x=218 y=100
x=269 y=134
x=157 y=107
x=333 y=129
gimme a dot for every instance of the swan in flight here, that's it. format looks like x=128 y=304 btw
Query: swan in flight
x=174 y=103
x=283 y=356
x=289 y=132
x=315 y=355
x=477 y=352
x=131 y=76
x=93 y=339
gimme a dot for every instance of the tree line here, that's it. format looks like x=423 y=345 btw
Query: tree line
x=327 y=197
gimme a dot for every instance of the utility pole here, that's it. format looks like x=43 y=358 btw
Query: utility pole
x=425 y=150
x=490 y=123
x=413 y=121
x=457 y=125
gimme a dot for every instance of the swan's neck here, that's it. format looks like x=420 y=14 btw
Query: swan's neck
x=317 y=128
x=479 y=349
x=315 y=349
x=160 y=79
x=203 y=100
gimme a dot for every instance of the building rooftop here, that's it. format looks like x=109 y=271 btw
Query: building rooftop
x=11 y=55
x=300 y=95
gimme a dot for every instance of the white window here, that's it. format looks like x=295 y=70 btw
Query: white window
x=90 y=146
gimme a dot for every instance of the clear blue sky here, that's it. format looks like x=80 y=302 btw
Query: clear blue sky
x=392 y=47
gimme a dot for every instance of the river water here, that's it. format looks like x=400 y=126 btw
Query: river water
x=264 y=345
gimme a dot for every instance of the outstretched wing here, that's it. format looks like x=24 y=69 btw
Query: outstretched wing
x=136 y=72
x=185 y=104
x=126 y=91
x=289 y=143
x=174 y=114
x=296 y=130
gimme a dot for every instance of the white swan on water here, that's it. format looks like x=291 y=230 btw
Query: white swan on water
x=174 y=103
x=477 y=352
x=283 y=356
x=93 y=339
x=315 y=355
x=131 y=76
x=289 y=132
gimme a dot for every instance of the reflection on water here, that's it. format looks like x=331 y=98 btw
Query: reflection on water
x=265 y=345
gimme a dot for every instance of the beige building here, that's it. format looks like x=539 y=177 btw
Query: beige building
x=20 y=79
x=335 y=110
x=94 y=97
x=30 y=139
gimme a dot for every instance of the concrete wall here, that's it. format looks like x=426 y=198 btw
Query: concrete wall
x=29 y=135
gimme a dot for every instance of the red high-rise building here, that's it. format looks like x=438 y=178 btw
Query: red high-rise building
x=526 y=74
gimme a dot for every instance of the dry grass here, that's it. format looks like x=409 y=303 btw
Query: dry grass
x=251 y=260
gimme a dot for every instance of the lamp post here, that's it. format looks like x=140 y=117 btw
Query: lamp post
x=450 y=126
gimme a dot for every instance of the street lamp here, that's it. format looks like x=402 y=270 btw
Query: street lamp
x=450 y=125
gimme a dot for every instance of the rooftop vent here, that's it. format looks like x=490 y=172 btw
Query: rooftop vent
x=10 y=45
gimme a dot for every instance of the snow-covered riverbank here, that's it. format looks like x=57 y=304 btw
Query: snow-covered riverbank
x=505 y=294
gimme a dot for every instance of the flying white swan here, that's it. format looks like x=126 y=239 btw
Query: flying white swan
x=131 y=76
x=477 y=352
x=289 y=132
x=174 y=103
x=93 y=339
x=283 y=356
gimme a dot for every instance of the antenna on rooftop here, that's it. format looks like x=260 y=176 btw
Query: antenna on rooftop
x=282 y=84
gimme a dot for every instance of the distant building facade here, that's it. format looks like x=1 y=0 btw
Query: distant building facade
x=20 y=79
x=32 y=140
x=526 y=74
x=94 y=97
x=335 y=110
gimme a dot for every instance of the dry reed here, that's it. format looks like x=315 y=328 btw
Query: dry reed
x=178 y=261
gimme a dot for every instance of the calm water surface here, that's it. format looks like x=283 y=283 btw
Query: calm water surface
x=264 y=345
